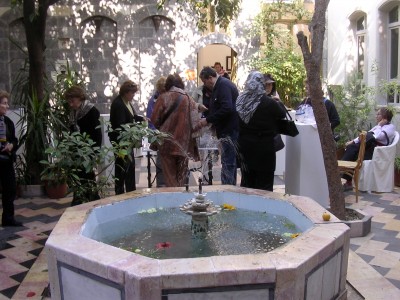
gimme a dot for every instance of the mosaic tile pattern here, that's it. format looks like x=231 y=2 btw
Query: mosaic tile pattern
x=374 y=264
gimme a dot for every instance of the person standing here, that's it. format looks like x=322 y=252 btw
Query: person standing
x=160 y=89
x=122 y=112
x=223 y=117
x=84 y=118
x=258 y=115
x=220 y=70
x=333 y=115
x=174 y=113
x=8 y=148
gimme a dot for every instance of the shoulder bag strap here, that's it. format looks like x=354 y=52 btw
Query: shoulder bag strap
x=387 y=138
x=171 y=109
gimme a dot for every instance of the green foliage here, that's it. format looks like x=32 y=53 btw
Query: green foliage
x=59 y=107
x=397 y=163
x=35 y=137
x=272 y=13
x=354 y=102
x=220 y=12
x=131 y=135
x=76 y=153
x=389 y=88
x=288 y=70
x=279 y=56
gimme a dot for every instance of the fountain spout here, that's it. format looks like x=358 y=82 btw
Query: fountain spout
x=200 y=209
x=200 y=186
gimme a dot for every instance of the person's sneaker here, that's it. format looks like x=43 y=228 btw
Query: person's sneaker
x=347 y=187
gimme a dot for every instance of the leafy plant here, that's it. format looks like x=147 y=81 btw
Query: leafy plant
x=220 y=12
x=35 y=137
x=288 y=70
x=353 y=97
x=58 y=105
x=280 y=56
x=389 y=88
x=131 y=136
x=397 y=163
x=75 y=153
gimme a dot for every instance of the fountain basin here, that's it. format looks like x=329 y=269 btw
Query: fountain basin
x=311 y=266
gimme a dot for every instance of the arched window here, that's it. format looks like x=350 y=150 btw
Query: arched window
x=394 y=42
x=393 y=55
x=361 y=25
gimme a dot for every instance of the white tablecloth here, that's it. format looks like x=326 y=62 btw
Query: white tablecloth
x=304 y=168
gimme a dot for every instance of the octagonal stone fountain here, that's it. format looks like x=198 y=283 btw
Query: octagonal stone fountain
x=310 y=266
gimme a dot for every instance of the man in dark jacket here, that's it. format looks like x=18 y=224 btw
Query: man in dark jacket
x=122 y=112
x=333 y=115
x=223 y=117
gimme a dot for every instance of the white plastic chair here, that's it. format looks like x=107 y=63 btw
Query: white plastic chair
x=377 y=174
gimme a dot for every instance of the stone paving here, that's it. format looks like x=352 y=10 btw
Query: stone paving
x=374 y=261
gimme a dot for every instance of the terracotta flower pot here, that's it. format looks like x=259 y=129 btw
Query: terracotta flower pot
x=56 y=191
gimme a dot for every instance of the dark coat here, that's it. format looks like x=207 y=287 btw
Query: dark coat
x=89 y=124
x=10 y=135
x=333 y=115
x=120 y=115
x=222 y=111
x=256 y=138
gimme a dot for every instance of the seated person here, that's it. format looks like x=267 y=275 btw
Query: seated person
x=383 y=134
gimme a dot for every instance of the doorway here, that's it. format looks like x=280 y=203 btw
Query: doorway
x=221 y=53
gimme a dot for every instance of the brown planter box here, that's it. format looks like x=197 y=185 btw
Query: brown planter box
x=396 y=177
x=360 y=228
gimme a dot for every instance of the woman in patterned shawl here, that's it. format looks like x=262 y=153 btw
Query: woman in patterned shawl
x=175 y=112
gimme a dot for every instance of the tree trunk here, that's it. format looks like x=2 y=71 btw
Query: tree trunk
x=312 y=61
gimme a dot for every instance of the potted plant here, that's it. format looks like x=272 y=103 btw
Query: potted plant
x=69 y=156
x=41 y=120
x=55 y=180
x=397 y=171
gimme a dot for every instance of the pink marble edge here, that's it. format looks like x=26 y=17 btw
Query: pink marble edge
x=212 y=271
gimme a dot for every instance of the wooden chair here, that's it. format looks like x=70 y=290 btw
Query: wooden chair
x=352 y=168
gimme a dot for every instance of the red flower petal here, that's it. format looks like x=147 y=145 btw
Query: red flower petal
x=31 y=294
x=163 y=245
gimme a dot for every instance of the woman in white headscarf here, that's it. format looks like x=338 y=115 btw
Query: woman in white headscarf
x=258 y=114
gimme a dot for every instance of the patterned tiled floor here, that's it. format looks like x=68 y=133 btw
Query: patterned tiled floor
x=374 y=264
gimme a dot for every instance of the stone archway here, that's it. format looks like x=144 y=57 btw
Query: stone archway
x=222 y=53
x=223 y=49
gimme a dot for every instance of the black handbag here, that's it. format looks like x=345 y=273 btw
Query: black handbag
x=287 y=126
x=278 y=143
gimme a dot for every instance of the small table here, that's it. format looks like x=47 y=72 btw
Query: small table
x=305 y=168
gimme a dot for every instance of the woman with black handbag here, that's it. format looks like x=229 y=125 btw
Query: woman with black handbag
x=258 y=115
x=270 y=88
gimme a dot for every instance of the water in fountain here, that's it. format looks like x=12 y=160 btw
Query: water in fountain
x=166 y=233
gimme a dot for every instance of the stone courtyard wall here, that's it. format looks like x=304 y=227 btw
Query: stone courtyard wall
x=108 y=42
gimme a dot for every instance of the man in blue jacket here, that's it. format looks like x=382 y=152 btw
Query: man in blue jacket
x=223 y=117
